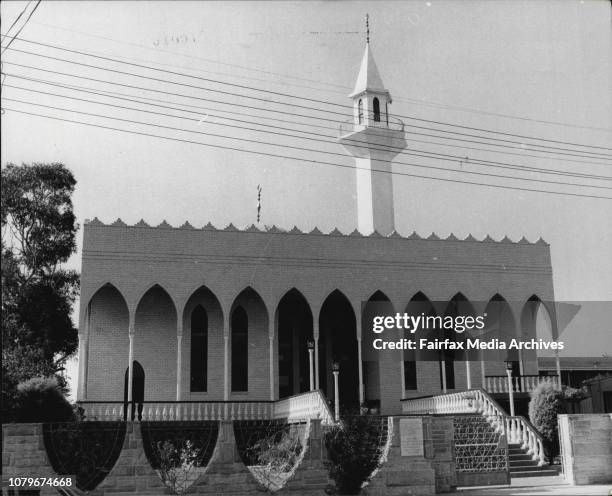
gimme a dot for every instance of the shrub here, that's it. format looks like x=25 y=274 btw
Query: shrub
x=178 y=465
x=354 y=451
x=545 y=404
x=41 y=399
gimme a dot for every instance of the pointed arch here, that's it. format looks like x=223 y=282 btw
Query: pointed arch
x=294 y=328
x=338 y=343
x=203 y=332
x=418 y=306
x=155 y=329
x=107 y=319
x=376 y=108
x=458 y=306
x=360 y=111
x=248 y=321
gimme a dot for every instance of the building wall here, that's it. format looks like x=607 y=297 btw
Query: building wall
x=217 y=265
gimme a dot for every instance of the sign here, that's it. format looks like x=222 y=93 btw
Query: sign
x=411 y=436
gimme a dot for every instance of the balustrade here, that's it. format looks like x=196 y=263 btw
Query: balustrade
x=524 y=383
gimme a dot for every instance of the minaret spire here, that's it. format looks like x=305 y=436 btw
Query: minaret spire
x=367 y=29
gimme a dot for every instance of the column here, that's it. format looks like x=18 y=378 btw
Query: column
x=179 y=358
x=402 y=375
x=359 y=360
x=271 y=355
x=315 y=335
x=443 y=365
x=468 y=373
x=130 y=356
x=482 y=375
x=226 y=337
x=83 y=356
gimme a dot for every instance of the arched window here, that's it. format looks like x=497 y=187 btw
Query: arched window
x=360 y=111
x=387 y=113
x=199 y=349
x=240 y=350
x=376 y=105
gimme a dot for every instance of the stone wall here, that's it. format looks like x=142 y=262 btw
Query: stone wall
x=586 y=448
x=24 y=454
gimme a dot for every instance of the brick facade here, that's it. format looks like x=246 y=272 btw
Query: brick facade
x=155 y=276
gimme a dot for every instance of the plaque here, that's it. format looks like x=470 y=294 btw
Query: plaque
x=411 y=436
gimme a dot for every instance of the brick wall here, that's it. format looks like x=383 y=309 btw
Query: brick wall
x=225 y=262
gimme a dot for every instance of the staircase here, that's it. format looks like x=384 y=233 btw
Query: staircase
x=523 y=465
x=524 y=441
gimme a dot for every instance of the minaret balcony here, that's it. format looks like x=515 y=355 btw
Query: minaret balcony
x=385 y=122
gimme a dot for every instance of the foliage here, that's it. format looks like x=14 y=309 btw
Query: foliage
x=38 y=236
x=353 y=448
x=545 y=404
x=276 y=456
x=41 y=399
x=177 y=465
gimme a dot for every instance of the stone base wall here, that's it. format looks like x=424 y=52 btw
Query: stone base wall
x=24 y=455
x=440 y=448
x=483 y=478
x=586 y=447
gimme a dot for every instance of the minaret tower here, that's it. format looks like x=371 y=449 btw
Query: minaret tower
x=374 y=138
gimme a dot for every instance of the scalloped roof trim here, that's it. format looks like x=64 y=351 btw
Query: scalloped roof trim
x=316 y=231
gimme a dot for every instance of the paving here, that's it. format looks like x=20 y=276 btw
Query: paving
x=537 y=486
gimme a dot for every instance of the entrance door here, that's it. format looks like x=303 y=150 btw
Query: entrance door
x=138 y=381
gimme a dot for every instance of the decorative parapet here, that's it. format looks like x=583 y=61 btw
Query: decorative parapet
x=95 y=222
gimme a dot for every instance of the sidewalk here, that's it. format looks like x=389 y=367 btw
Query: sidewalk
x=536 y=486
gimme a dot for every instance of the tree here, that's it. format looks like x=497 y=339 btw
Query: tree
x=545 y=404
x=38 y=236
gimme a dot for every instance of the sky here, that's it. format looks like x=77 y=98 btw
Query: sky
x=537 y=69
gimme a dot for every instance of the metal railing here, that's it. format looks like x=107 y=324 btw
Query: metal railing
x=522 y=383
x=385 y=122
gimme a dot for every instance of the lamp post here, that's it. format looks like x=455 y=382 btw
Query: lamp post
x=510 y=389
x=336 y=371
x=311 y=345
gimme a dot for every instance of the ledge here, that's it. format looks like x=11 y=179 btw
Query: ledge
x=95 y=222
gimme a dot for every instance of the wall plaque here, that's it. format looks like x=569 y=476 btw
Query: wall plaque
x=411 y=436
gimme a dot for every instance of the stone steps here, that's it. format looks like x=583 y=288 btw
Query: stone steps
x=522 y=465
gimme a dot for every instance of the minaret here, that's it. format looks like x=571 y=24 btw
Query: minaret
x=374 y=138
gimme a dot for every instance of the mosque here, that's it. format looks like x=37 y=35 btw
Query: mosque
x=206 y=315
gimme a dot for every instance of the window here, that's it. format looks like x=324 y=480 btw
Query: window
x=240 y=350
x=360 y=111
x=387 y=113
x=376 y=110
x=410 y=375
x=199 y=350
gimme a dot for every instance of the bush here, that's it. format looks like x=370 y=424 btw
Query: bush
x=41 y=400
x=354 y=451
x=545 y=404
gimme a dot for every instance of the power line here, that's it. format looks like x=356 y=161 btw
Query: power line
x=259 y=142
x=251 y=88
x=23 y=25
x=288 y=95
x=304 y=159
x=341 y=89
x=453 y=159
x=108 y=93
x=276 y=111
x=16 y=20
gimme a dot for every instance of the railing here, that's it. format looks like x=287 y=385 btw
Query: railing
x=351 y=125
x=310 y=405
x=523 y=383
x=178 y=410
x=517 y=428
